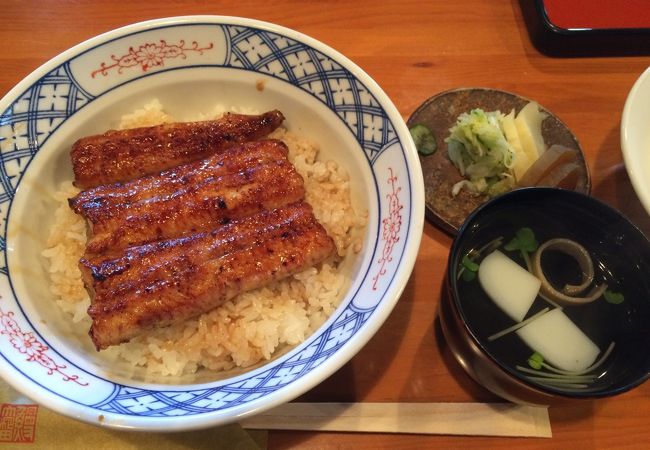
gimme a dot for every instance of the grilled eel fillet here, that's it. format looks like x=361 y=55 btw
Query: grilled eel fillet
x=195 y=197
x=122 y=155
x=95 y=201
x=167 y=282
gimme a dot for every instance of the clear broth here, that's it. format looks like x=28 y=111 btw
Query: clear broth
x=618 y=259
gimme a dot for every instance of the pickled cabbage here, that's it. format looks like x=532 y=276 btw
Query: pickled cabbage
x=477 y=146
x=494 y=151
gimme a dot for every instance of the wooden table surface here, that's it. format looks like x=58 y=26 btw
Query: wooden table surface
x=413 y=49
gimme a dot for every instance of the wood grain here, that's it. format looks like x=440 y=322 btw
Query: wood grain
x=413 y=49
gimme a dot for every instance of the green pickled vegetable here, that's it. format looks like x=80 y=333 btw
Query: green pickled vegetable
x=477 y=146
x=425 y=141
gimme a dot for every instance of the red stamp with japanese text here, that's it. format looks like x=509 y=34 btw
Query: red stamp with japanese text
x=17 y=423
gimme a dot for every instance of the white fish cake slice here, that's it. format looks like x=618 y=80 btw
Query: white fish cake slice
x=511 y=287
x=559 y=341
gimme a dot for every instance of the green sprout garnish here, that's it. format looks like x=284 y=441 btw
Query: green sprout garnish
x=525 y=242
x=535 y=361
x=424 y=140
x=469 y=264
x=468 y=275
x=469 y=267
x=615 y=298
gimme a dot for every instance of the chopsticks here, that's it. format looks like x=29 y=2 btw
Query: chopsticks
x=480 y=419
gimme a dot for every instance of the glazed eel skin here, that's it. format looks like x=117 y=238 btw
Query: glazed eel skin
x=194 y=197
x=96 y=201
x=122 y=155
x=170 y=281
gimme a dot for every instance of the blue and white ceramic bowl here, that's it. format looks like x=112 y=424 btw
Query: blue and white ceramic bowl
x=191 y=64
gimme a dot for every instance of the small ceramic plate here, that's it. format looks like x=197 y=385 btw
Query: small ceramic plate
x=439 y=113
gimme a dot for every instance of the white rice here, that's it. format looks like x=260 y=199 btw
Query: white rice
x=250 y=328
